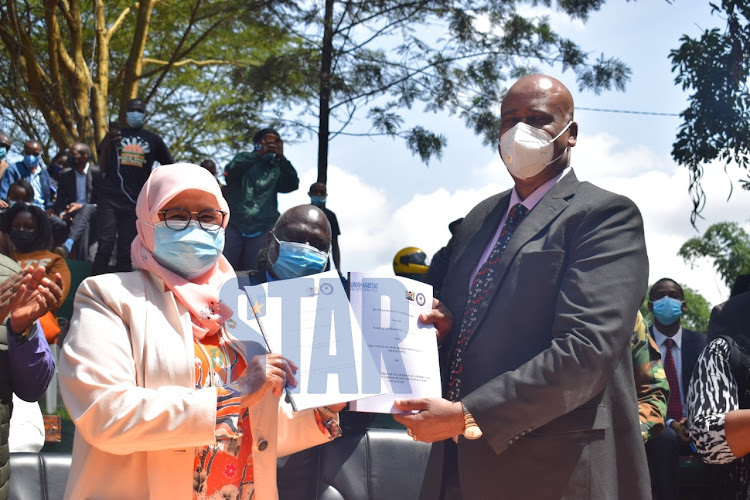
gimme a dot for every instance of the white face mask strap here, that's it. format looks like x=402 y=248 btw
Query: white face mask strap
x=562 y=131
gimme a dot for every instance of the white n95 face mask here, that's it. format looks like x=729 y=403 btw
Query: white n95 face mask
x=527 y=150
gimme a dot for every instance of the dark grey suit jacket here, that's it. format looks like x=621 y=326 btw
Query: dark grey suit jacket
x=548 y=372
x=66 y=187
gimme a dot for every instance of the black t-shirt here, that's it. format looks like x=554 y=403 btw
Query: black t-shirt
x=138 y=150
x=333 y=221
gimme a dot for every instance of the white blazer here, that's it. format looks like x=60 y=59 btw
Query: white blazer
x=127 y=376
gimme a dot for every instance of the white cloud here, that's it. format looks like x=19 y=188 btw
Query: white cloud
x=375 y=225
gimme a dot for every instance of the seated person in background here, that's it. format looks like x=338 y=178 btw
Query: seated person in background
x=296 y=246
x=5 y=144
x=76 y=201
x=33 y=170
x=54 y=169
x=20 y=190
x=30 y=232
x=26 y=363
x=165 y=401
x=718 y=403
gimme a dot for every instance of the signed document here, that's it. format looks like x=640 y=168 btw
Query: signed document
x=406 y=352
x=309 y=321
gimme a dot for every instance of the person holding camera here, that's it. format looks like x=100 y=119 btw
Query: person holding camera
x=254 y=179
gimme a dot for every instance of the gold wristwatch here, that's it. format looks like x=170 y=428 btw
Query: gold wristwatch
x=471 y=429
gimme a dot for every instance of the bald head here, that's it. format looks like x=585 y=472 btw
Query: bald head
x=540 y=89
x=542 y=102
x=302 y=224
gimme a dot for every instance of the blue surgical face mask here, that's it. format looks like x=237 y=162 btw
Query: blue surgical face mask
x=190 y=252
x=667 y=310
x=3 y=152
x=318 y=201
x=298 y=259
x=135 y=118
x=31 y=161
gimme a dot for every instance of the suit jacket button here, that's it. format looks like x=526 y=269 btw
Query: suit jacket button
x=262 y=445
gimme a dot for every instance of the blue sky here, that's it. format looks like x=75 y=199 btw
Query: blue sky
x=387 y=199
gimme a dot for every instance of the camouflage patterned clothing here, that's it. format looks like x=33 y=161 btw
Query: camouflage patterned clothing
x=651 y=384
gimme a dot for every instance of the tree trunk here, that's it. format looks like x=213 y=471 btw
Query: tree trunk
x=134 y=64
x=325 y=92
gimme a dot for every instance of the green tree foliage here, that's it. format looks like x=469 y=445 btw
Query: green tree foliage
x=72 y=66
x=715 y=68
x=366 y=61
x=727 y=244
x=696 y=315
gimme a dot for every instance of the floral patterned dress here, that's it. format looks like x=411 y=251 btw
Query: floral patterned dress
x=223 y=470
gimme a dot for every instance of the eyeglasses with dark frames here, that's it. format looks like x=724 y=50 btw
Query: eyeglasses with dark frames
x=178 y=219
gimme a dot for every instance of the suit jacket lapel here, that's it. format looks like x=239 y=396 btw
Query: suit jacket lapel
x=548 y=209
x=468 y=256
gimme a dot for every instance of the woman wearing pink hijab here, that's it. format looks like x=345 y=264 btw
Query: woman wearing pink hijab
x=165 y=403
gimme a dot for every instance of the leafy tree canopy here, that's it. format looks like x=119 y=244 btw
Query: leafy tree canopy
x=715 y=68
x=726 y=244
x=212 y=72
x=73 y=66
x=368 y=61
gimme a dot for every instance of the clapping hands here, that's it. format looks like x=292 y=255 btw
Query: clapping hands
x=27 y=296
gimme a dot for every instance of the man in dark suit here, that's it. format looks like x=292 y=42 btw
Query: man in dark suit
x=76 y=201
x=538 y=313
x=679 y=349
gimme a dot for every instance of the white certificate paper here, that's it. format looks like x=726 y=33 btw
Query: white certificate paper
x=387 y=310
x=309 y=321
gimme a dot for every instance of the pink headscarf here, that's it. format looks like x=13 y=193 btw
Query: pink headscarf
x=200 y=295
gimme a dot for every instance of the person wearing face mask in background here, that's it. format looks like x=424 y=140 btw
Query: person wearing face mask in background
x=158 y=388
x=679 y=349
x=56 y=165
x=5 y=144
x=20 y=190
x=126 y=159
x=535 y=321
x=318 y=195
x=31 y=234
x=31 y=168
x=254 y=180
x=298 y=245
x=76 y=202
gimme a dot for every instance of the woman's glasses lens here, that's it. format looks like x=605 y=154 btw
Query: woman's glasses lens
x=179 y=219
